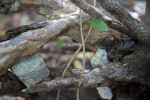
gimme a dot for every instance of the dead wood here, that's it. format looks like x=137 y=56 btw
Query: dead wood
x=32 y=41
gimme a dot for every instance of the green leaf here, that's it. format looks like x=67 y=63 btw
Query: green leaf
x=98 y=24
x=59 y=42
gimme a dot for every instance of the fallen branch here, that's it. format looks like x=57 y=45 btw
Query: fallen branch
x=89 y=80
x=32 y=41
x=138 y=30
x=133 y=68
x=103 y=76
x=46 y=8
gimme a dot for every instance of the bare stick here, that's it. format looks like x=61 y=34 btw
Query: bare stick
x=82 y=38
x=71 y=61
x=91 y=79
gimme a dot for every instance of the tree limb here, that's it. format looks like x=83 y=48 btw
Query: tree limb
x=147 y=14
x=134 y=68
x=98 y=14
x=42 y=7
x=89 y=80
x=138 y=30
x=32 y=41
x=130 y=27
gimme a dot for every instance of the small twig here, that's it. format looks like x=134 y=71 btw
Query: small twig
x=78 y=93
x=94 y=3
x=67 y=68
x=82 y=38
x=72 y=60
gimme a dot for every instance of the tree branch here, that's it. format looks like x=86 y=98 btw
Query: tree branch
x=42 y=7
x=98 y=14
x=130 y=27
x=91 y=79
x=32 y=41
x=138 y=30
x=135 y=68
